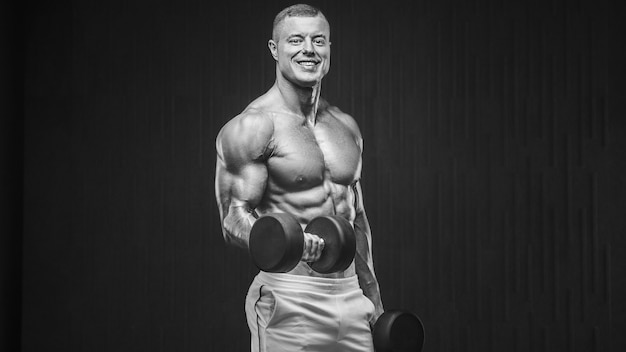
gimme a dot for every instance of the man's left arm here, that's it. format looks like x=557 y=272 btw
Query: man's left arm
x=363 y=259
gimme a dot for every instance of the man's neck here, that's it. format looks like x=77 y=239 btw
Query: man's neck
x=302 y=101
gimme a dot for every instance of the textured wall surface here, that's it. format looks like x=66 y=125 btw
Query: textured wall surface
x=11 y=165
x=492 y=169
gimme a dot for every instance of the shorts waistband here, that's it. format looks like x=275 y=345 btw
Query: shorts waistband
x=309 y=283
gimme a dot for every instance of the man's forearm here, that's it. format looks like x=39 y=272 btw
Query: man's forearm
x=364 y=261
x=237 y=225
x=369 y=284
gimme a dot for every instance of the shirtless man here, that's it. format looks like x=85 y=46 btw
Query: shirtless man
x=290 y=151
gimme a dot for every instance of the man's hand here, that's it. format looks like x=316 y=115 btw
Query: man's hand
x=378 y=311
x=313 y=247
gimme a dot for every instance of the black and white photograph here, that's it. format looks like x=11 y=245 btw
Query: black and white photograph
x=321 y=176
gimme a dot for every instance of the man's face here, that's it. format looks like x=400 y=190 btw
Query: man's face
x=303 y=49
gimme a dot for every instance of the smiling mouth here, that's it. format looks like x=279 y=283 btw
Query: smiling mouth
x=307 y=63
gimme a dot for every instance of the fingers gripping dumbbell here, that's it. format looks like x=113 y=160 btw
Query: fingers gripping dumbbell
x=277 y=243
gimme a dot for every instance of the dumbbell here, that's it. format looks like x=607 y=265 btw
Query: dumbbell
x=398 y=331
x=277 y=242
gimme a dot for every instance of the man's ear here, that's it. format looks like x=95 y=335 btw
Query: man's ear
x=271 y=44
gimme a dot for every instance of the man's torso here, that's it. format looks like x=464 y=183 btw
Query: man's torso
x=312 y=170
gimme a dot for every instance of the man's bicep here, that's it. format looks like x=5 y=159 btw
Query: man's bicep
x=241 y=173
x=243 y=187
x=241 y=147
x=238 y=195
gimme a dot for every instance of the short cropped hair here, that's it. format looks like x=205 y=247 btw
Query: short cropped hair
x=298 y=10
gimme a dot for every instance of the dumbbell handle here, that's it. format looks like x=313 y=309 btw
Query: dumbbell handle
x=313 y=247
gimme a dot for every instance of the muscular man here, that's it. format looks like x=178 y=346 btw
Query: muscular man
x=290 y=151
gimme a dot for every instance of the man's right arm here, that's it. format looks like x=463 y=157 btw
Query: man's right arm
x=241 y=173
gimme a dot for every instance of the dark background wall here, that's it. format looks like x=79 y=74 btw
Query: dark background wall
x=11 y=166
x=493 y=167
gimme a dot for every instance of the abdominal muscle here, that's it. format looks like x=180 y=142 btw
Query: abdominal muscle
x=326 y=199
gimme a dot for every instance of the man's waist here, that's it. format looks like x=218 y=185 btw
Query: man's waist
x=309 y=283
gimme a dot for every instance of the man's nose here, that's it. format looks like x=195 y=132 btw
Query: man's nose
x=307 y=47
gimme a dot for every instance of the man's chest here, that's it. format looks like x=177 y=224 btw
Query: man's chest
x=305 y=156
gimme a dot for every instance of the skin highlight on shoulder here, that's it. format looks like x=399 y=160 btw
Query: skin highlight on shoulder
x=245 y=138
x=345 y=119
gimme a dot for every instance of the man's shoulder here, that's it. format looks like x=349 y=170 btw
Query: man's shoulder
x=255 y=116
x=247 y=134
x=343 y=117
x=251 y=120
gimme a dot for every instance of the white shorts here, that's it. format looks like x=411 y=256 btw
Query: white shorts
x=290 y=313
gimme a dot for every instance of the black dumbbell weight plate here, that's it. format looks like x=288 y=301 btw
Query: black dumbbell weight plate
x=398 y=331
x=276 y=242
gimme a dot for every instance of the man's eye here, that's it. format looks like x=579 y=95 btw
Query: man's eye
x=295 y=41
x=319 y=41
